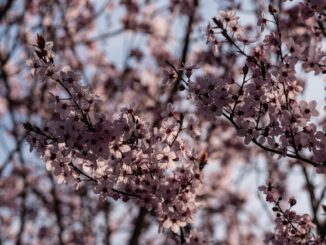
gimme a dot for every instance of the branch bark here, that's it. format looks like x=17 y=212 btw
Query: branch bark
x=139 y=223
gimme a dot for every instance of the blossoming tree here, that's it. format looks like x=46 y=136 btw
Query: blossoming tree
x=156 y=143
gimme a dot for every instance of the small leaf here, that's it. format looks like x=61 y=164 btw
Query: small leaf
x=28 y=126
x=39 y=54
x=271 y=9
x=40 y=42
x=218 y=22
x=203 y=160
x=324 y=208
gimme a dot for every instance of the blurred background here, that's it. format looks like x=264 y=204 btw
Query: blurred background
x=121 y=49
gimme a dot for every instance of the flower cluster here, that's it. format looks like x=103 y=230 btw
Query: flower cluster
x=119 y=154
x=291 y=228
x=152 y=155
x=264 y=107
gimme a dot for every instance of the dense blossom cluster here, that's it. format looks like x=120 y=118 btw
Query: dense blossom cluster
x=119 y=153
x=264 y=107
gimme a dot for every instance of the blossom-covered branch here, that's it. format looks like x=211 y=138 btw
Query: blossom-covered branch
x=118 y=154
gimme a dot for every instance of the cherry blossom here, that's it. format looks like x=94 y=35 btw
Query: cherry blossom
x=158 y=127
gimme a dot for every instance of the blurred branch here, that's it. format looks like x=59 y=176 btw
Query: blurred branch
x=185 y=49
x=23 y=210
x=139 y=223
x=107 y=231
x=311 y=191
x=101 y=36
x=4 y=8
x=23 y=213
x=57 y=211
